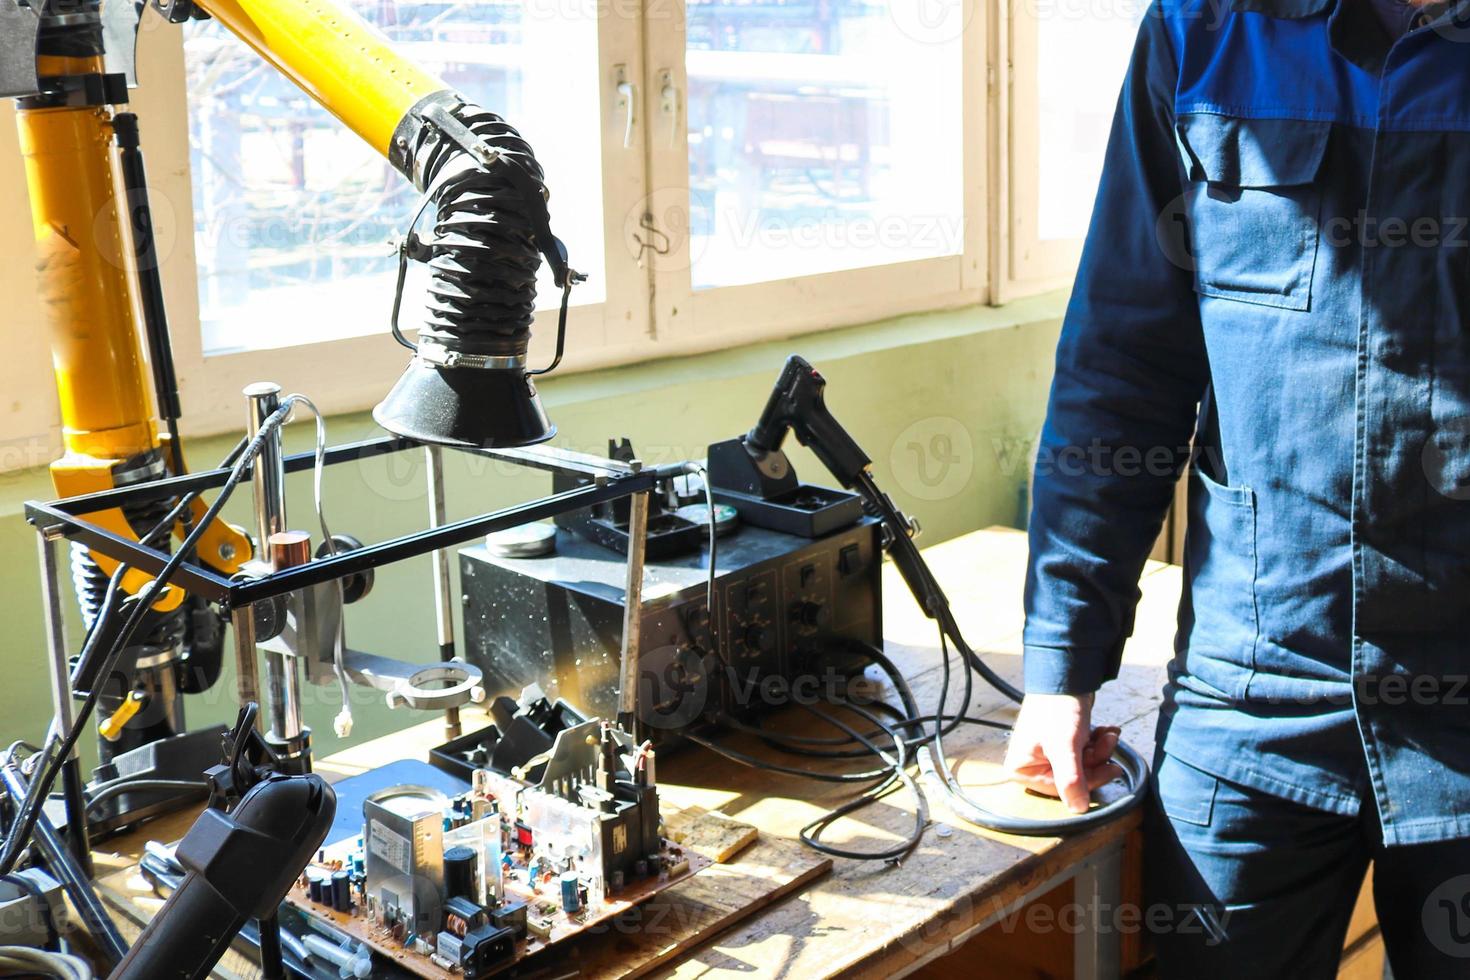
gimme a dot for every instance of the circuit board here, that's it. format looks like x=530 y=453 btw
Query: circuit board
x=541 y=898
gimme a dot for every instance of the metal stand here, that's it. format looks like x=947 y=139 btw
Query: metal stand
x=633 y=615
x=443 y=600
x=247 y=665
x=61 y=704
x=415 y=685
x=287 y=731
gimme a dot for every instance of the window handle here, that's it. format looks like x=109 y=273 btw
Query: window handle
x=668 y=104
x=628 y=103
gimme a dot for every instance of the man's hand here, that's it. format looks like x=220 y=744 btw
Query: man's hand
x=1055 y=750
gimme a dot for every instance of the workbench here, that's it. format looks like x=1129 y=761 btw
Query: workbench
x=958 y=904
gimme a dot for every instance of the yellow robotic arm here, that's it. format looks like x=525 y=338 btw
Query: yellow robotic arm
x=86 y=276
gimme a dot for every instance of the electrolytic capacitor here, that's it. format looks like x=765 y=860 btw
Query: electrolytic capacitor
x=461 y=873
x=316 y=889
x=341 y=891
x=571 y=897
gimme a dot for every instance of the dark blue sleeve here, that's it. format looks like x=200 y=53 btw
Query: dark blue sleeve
x=1130 y=371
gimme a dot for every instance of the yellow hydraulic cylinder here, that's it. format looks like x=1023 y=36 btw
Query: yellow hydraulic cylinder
x=336 y=57
x=85 y=277
x=85 y=285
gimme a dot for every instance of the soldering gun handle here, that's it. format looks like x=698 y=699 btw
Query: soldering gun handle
x=240 y=865
x=797 y=404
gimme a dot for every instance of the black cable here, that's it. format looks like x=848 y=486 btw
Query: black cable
x=119 y=787
x=40 y=786
x=810 y=833
x=811 y=746
x=753 y=762
x=1135 y=771
x=879 y=782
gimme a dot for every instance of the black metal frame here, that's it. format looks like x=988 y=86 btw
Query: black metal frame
x=610 y=480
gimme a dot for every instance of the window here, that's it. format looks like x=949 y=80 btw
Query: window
x=812 y=163
x=726 y=171
x=804 y=162
x=293 y=213
x=821 y=138
x=1068 y=58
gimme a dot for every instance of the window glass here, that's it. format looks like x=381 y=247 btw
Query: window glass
x=294 y=213
x=823 y=135
x=1083 y=49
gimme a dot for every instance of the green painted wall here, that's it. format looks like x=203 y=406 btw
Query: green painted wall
x=946 y=403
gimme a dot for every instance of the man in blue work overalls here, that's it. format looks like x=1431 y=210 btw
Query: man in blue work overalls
x=1275 y=295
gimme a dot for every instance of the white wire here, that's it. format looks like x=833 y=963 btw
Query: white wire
x=695 y=468
x=26 y=961
x=343 y=722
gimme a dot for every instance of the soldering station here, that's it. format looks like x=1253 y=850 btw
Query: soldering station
x=633 y=613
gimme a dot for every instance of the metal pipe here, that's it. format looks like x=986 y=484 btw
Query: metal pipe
x=238 y=593
x=85 y=286
x=335 y=57
x=247 y=667
x=73 y=879
x=283 y=674
x=61 y=701
x=547 y=458
x=148 y=281
x=269 y=470
x=443 y=600
x=633 y=613
x=272 y=967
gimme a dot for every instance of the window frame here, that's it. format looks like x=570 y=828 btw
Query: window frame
x=1022 y=263
x=651 y=310
x=689 y=320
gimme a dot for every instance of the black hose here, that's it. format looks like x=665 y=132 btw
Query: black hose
x=120 y=787
x=483 y=254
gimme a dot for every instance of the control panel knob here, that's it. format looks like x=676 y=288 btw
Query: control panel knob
x=810 y=614
x=757 y=637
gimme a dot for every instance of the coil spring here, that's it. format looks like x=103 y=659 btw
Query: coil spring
x=482 y=273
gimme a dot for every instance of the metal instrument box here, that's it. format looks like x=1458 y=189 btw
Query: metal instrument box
x=780 y=603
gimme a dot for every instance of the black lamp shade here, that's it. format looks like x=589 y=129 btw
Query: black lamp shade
x=469 y=407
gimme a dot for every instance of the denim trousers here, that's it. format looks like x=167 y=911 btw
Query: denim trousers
x=1247 y=884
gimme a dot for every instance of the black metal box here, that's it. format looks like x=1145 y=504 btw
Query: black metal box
x=780 y=604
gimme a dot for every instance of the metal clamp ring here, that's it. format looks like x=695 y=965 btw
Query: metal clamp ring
x=438 y=687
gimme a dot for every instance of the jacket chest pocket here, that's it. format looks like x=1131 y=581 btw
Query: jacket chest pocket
x=1251 y=205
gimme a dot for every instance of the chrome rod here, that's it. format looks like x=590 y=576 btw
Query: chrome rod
x=633 y=612
x=443 y=600
x=283 y=674
x=247 y=667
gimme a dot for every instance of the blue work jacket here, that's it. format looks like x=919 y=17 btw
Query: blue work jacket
x=1275 y=297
